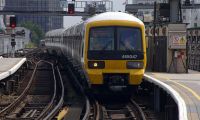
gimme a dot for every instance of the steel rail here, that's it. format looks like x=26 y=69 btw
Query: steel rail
x=61 y=101
x=29 y=61
x=94 y=112
x=85 y=117
x=97 y=116
x=142 y=115
x=30 y=53
x=87 y=103
x=21 y=97
x=51 y=103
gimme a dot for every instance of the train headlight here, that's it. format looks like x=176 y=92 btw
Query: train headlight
x=134 y=65
x=96 y=64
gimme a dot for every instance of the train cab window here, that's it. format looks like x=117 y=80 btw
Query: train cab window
x=101 y=38
x=129 y=39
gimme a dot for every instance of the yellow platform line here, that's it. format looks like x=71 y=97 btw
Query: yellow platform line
x=187 y=88
x=62 y=113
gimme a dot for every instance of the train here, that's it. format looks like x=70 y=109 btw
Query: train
x=109 y=48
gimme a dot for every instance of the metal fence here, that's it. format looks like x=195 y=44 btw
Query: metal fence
x=193 y=48
x=157 y=54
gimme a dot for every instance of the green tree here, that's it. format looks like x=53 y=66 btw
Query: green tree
x=36 y=32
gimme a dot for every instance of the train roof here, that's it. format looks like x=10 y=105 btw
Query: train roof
x=100 y=17
x=56 y=32
x=114 y=16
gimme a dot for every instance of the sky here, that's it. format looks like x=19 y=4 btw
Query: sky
x=117 y=6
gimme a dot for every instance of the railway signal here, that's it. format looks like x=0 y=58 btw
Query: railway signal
x=13 y=22
x=71 y=8
x=12 y=35
x=13 y=43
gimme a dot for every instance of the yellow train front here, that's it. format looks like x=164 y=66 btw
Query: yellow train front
x=114 y=50
x=109 y=49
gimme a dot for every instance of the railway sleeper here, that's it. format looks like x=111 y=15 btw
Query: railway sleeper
x=31 y=113
x=31 y=108
x=119 y=113
x=17 y=111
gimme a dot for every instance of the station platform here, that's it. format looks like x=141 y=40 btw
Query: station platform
x=184 y=87
x=9 y=66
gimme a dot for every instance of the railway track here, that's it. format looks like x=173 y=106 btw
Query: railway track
x=58 y=101
x=38 y=101
x=77 y=94
x=123 y=111
x=96 y=109
x=34 y=55
x=18 y=88
x=8 y=108
x=129 y=110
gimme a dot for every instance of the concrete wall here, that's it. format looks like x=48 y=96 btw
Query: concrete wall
x=26 y=39
x=191 y=16
x=2 y=4
x=7 y=43
x=21 y=41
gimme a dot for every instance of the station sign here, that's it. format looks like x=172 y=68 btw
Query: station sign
x=177 y=40
x=177 y=36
